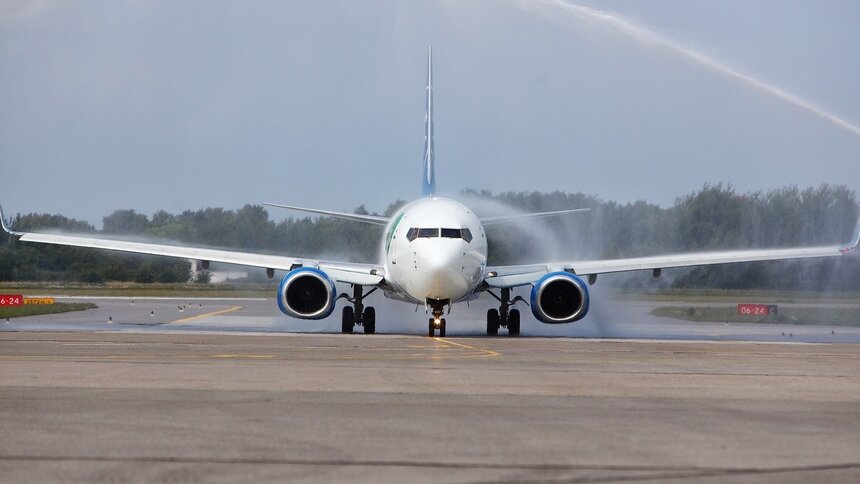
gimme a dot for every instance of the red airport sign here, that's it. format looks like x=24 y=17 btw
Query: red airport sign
x=757 y=309
x=11 y=299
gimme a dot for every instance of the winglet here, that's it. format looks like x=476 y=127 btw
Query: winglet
x=429 y=185
x=855 y=241
x=5 y=226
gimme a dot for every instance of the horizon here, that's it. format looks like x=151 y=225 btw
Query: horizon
x=470 y=197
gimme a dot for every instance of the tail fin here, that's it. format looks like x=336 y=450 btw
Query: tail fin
x=429 y=186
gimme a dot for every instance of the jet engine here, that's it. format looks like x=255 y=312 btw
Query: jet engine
x=306 y=293
x=559 y=297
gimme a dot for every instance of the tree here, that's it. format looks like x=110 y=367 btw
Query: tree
x=714 y=217
x=203 y=277
x=125 y=222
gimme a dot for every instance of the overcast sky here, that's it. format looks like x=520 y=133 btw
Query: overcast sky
x=182 y=105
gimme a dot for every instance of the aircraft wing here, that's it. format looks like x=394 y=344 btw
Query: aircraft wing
x=512 y=276
x=370 y=219
x=347 y=272
x=521 y=216
x=377 y=220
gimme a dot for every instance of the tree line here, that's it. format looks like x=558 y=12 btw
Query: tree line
x=716 y=217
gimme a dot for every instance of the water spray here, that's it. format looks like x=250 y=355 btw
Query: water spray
x=652 y=39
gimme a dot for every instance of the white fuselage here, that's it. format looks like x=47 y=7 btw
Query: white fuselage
x=435 y=249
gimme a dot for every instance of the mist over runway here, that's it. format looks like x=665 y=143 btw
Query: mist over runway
x=610 y=318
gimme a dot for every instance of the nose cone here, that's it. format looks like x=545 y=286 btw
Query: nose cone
x=441 y=271
x=443 y=255
x=445 y=283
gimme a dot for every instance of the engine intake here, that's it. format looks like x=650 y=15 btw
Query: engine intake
x=559 y=297
x=306 y=293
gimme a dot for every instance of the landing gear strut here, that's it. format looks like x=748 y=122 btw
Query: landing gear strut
x=437 y=321
x=504 y=317
x=357 y=314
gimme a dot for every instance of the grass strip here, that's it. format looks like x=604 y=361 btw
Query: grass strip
x=140 y=290
x=739 y=296
x=729 y=314
x=39 y=309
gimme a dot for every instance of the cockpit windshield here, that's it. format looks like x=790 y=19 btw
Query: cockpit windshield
x=427 y=233
x=416 y=233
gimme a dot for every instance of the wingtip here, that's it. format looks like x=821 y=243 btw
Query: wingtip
x=855 y=241
x=5 y=225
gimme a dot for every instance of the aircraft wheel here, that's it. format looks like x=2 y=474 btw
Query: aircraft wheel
x=442 y=328
x=431 y=331
x=369 y=320
x=514 y=322
x=348 y=320
x=493 y=322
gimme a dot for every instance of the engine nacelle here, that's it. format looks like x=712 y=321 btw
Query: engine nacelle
x=306 y=293
x=559 y=297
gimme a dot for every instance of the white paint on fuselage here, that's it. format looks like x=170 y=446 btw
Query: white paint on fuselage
x=435 y=267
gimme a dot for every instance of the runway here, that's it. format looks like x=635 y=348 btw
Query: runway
x=200 y=396
x=94 y=406
x=609 y=318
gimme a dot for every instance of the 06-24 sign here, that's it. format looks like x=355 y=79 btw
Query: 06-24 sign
x=757 y=309
x=11 y=299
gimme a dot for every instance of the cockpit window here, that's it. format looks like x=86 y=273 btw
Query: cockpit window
x=415 y=233
x=466 y=234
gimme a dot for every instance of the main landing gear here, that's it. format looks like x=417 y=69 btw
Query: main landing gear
x=504 y=317
x=437 y=321
x=357 y=314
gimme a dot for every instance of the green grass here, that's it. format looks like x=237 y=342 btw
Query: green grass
x=823 y=316
x=131 y=289
x=740 y=296
x=39 y=309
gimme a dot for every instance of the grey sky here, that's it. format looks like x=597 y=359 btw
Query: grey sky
x=183 y=105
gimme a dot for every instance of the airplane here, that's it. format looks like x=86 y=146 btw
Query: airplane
x=435 y=254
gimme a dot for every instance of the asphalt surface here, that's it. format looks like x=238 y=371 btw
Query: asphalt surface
x=212 y=393
x=607 y=319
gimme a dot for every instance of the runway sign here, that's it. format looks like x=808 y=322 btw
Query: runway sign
x=757 y=309
x=11 y=300
x=38 y=300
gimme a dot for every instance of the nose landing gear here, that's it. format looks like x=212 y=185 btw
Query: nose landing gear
x=437 y=321
x=357 y=314
x=434 y=324
x=504 y=317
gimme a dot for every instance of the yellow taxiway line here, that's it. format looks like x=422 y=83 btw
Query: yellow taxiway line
x=489 y=353
x=206 y=315
x=430 y=352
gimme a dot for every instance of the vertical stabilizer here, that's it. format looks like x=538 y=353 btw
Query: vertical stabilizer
x=429 y=185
